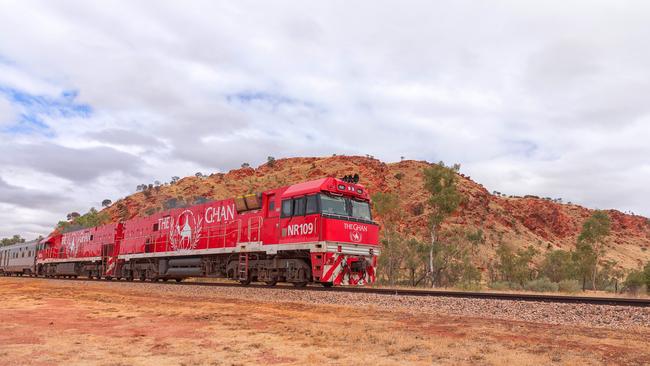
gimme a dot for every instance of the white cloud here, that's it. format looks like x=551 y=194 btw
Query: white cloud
x=547 y=99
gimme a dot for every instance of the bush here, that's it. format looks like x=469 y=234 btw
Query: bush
x=570 y=286
x=541 y=285
x=417 y=209
x=635 y=282
x=504 y=285
x=270 y=161
x=469 y=286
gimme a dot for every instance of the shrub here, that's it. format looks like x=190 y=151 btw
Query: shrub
x=469 y=286
x=504 y=285
x=270 y=161
x=541 y=285
x=635 y=282
x=570 y=286
x=417 y=209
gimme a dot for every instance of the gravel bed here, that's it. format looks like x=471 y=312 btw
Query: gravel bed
x=602 y=316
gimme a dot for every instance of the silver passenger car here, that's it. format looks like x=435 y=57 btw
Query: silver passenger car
x=18 y=259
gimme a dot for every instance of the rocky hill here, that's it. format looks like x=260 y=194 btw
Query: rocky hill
x=521 y=221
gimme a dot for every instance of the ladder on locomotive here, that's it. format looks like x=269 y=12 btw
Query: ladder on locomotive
x=243 y=266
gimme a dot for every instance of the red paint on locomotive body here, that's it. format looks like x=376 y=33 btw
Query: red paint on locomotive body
x=325 y=223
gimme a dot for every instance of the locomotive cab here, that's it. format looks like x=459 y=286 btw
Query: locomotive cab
x=334 y=216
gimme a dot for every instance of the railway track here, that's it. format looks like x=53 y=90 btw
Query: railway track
x=593 y=300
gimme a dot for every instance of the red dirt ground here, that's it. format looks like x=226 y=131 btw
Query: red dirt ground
x=62 y=322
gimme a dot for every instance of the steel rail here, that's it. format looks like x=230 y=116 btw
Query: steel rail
x=567 y=299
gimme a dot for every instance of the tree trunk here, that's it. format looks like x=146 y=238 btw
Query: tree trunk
x=593 y=275
x=595 y=272
x=433 y=243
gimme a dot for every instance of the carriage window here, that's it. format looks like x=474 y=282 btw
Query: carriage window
x=155 y=227
x=287 y=208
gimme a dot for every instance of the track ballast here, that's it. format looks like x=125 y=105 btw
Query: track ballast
x=549 y=298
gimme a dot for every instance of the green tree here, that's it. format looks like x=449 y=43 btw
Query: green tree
x=414 y=254
x=584 y=258
x=444 y=199
x=594 y=232
x=638 y=279
x=558 y=265
x=386 y=206
x=270 y=161
x=452 y=259
x=92 y=218
x=391 y=257
x=514 y=266
x=13 y=240
x=609 y=276
x=635 y=281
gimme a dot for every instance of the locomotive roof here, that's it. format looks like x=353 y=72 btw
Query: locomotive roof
x=307 y=187
x=324 y=184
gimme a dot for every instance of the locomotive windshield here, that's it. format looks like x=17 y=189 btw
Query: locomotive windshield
x=333 y=205
x=360 y=209
x=341 y=206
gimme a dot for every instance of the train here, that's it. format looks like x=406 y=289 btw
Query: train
x=319 y=231
x=18 y=259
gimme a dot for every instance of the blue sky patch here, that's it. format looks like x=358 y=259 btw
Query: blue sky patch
x=273 y=99
x=35 y=107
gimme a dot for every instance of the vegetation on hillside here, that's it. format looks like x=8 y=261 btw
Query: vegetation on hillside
x=11 y=241
x=449 y=258
x=76 y=221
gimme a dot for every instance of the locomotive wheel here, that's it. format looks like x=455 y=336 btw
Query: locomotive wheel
x=327 y=284
x=179 y=280
x=245 y=282
x=299 y=284
x=271 y=283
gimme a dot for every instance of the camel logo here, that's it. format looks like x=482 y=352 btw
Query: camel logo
x=355 y=236
x=72 y=249
x=185 y=232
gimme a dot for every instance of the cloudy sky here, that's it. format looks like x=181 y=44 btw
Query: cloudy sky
x=549 y=98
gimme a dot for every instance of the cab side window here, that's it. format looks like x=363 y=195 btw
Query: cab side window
x=287 y=208
x=312 y=205
x=299 y=206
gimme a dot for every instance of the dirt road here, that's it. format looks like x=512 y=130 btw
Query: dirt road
x=51 y=322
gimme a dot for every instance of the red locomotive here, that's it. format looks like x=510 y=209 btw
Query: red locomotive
x=318 y=231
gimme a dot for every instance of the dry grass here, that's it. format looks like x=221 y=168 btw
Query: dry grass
x=48 y=322
x=588 y=293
